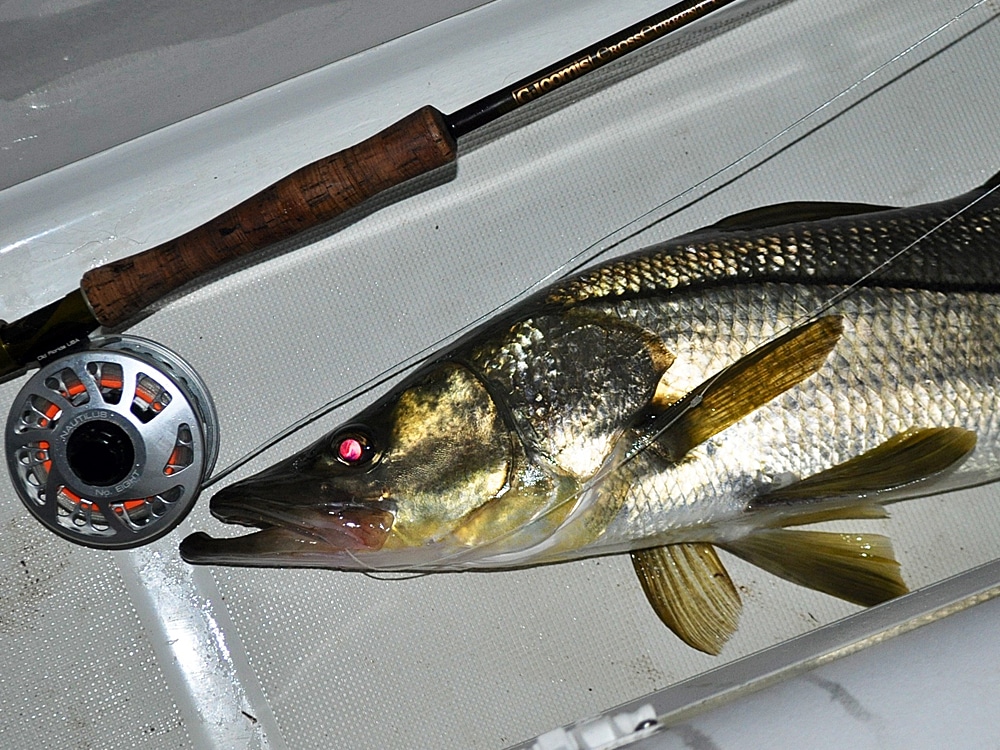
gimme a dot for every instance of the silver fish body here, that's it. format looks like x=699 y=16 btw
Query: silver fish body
x=674 y=399
x=899 y=364
x=920 y=347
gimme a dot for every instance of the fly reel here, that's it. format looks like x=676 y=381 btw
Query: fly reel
x=108 y=446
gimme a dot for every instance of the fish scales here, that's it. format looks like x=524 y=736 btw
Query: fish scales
x=896 y=366
x=954 y=254
x=711 y=297
x=795 y=364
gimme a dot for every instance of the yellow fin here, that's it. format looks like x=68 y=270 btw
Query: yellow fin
x=860 y=568
x=691 y=592
x=746 y=385
x=903 y=459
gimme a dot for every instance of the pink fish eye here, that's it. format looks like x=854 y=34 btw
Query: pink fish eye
x=353 y=449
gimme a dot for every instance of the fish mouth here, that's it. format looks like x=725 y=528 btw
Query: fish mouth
x=323 y=534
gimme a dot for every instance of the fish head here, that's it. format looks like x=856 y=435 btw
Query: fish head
x=389 y=490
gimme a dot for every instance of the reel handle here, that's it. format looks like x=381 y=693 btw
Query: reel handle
x=314 y=194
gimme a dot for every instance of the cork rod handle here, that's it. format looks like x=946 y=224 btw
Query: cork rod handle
x=316 y=193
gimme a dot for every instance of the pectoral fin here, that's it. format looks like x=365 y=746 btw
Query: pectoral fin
x=746 y=385
x=691 y=592
x=860 y=568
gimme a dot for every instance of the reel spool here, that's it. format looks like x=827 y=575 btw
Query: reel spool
x=108 y=446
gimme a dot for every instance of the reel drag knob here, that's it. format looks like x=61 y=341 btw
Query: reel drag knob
x=108 y=446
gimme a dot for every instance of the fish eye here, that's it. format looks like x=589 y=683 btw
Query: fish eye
x=353 y=447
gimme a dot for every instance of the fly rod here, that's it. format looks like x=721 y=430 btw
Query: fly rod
x=114 y=294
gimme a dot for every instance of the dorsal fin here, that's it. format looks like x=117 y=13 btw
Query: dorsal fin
x=991 y=183
x=691 y=592
x=779 y=214
x=746 y=385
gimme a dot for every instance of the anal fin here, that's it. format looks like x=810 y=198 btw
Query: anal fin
x=691 y=592
x=859 y=568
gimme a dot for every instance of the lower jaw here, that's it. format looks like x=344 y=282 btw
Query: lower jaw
x=267 y=547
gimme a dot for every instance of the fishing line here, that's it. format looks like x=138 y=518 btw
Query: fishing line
x=370 y=571
x=386 y=575
x=777 y=137
x=586 y=256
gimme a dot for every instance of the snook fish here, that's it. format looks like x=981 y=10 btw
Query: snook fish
x=712 y=391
